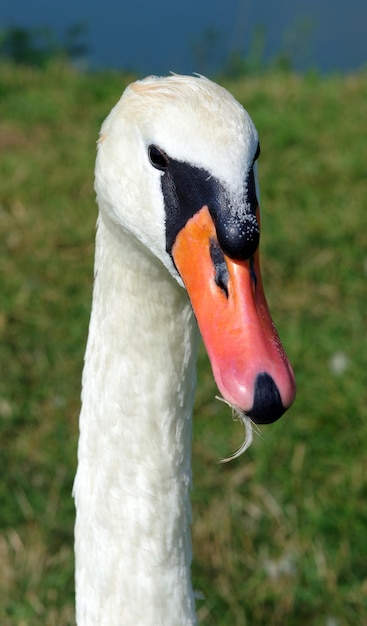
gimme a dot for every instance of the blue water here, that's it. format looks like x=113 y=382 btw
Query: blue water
x=163 y=35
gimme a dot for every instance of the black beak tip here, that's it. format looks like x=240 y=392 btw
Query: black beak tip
x=267 y=407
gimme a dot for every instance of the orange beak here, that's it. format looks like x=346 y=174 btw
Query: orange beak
x=248 y=361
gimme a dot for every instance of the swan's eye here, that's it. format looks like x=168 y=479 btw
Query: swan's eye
x=257 y=153
x=158 y=158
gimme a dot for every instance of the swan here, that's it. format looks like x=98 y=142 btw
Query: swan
x=176 y=250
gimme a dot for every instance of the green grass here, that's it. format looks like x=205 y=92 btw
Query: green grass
x=280 y=533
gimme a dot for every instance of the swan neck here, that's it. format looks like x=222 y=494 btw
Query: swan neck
x=132 y=488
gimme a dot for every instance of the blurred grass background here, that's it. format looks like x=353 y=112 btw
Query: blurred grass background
x=279 y=534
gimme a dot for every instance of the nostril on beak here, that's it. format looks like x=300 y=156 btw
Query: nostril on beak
x=267 y=407
x=220 y=267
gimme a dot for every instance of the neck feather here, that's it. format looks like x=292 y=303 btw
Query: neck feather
x=132 y=535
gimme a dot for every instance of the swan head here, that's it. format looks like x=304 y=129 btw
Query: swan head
x=177 y=169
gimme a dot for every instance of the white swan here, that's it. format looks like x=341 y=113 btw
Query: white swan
x=177 y=192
